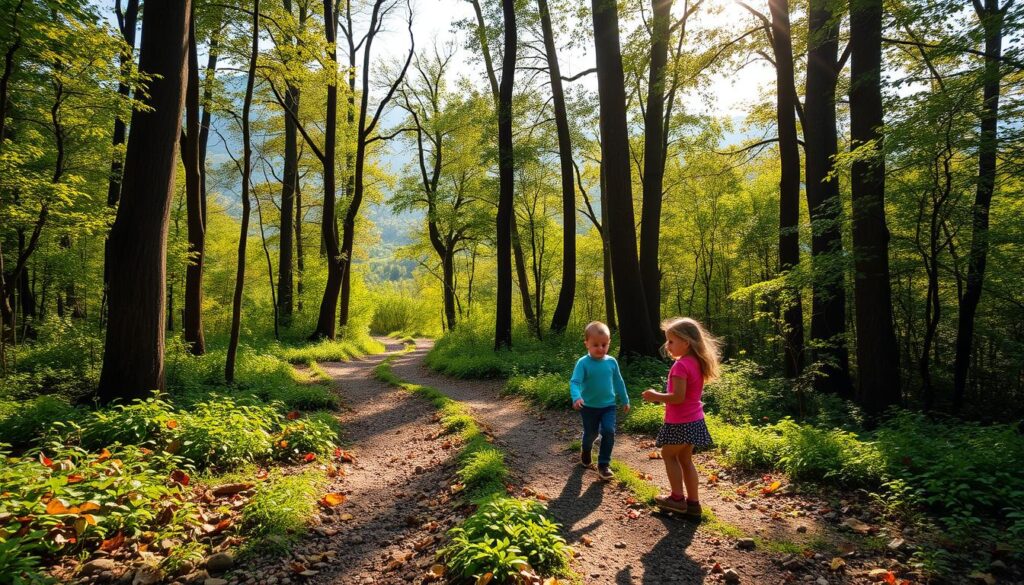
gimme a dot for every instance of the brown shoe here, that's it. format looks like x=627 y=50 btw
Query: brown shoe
x=693 y=511
x=667 y=503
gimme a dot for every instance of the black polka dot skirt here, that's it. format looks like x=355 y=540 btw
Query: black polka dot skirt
x=691 y=433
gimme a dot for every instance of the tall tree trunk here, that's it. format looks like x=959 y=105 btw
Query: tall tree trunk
x=654 y=161
x=300 y=260
x=789 y=186
x=289 y=187
x=991 y=16
x=243 y=236
x=630 y=300
x=506 y=179
x=133 y=363
x=828 y=309
x=606 y=259
x=325 y=325
x=567 y=289
x=878 y=373
x=204 y=129
x=192 y=318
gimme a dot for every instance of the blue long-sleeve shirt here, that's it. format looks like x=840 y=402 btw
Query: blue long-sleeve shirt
x=598 y=382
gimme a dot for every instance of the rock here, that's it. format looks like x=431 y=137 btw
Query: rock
x=97 y=566
x=998 y=566
x=878 y=574
x=105 y=577
x=792 y=564
x=896 y=544
x=620 y=545
x=731 y=576
x=746 y=544
x=231 y=489
x=213 y=581
x=148 y=575
x=219 y=563
x=196 y=577
x=857 y=526
x=801 y=529
x=821 y=581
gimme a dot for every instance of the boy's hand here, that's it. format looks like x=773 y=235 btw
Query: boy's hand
x=625 y=408
x=649 y=395
x=578 y=404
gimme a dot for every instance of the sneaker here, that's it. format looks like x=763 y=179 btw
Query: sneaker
x=667 y=503
x=605 y=472
x=586 y=459
x=693 y=511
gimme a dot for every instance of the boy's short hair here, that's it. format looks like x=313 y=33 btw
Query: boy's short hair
x=596 y=327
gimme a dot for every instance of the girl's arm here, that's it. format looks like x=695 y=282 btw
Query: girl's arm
x=679 y=394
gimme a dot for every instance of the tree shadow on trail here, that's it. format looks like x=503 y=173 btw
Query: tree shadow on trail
x=667 y=561
x=571 y=506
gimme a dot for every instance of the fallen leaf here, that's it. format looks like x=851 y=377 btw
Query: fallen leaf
x=293 y=415
x=55 y=506
x=75 y=478
x=262 y=474
x=231 y=489
x=179 y=476
x=837 y=564
x=770 y=489
x=172 y=424
x=346 y=517
x=633 y=514
x=484 y=579
x=551 y=581
x=586 y=540
x=419 y=546
x=309 y=457
x=654 y=455
x=104 y=455
x=332 y=499
x=458 y=487
x=717 y=568
x=173 y=447
x=88 y=507
x=113 y=543
x=46 y=461
x=857 y=526
x=297 y=567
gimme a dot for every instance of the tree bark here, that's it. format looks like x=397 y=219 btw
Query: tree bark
x=878 y=374
x=289 y=185
x=828 y=309
x=567 y=290
x=133 y=363
x=789 y=186
x=630 y=300
x=991 y=16
x=506 y=179
x=192 y=318
x=243 y=236
x=654 y=161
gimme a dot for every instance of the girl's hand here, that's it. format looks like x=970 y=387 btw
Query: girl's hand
x=649 y=395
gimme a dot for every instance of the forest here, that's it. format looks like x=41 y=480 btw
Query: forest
x=244 y=243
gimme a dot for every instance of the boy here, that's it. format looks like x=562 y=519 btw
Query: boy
x=595 y=385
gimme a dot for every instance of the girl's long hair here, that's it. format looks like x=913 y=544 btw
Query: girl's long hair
x=703 y=345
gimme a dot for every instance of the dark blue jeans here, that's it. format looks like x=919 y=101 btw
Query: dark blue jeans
x=599 y=421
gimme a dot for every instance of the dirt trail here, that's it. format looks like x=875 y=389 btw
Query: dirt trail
x=650 y=548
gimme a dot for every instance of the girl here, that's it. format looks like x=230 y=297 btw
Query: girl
x=695 y=352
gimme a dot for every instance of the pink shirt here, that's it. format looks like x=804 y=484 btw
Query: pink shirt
x=691 y=408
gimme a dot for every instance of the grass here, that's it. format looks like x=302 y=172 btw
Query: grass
x=280 y=512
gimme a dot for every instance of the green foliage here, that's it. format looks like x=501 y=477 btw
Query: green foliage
x=547 y=390
x=468 y=352
x=73 y=499
x=644 y=417
x=331 y=350
x=280 y=511
x=24 y=422
x=398 y=310
x=483 y=472
x=316 y=434
x=504 y=536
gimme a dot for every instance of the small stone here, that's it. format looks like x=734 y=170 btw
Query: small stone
x=97 y=566
x=418 y=469
x=998 y=566
x=219 y=563
x=746 y=544
x=731 y=576
x=896 y=544
x=106 y=576
x=214 y=581
x=620 y=544
x=792 y=564
x=821 y=581
x=801 y=529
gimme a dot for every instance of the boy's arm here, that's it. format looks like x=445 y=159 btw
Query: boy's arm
x=576 y=382
x=620 y=385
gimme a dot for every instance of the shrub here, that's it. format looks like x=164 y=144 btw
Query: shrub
x=483 y=472
x=24 y=422
x=395 y=311
x=504 y=536
x=222 y=433
x=316 y=434
x=547 y=390
x=644 y=417
x=142 y=422
x=280 y=510
x=811 y=453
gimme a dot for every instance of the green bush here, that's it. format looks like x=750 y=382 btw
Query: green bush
x=745 y=446
x=222 y=433
x=468 y=352
x=143 y=422
x=644 y=417
x=504 y=536
x=818 y=454
x=316 y=434
x=25 y=422
x=396 y=311
x=547 y=390
x=483 y=472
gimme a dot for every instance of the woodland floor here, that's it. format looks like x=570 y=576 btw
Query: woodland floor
x=399 y=502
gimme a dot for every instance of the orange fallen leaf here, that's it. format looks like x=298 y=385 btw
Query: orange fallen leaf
x=75 y=478
x=484 y=579
x=262 y=474
x=113 y=543
x=179 y=476
x=587 y=541
x=293 y=415
x=45 y=460
x=88 y=507
x=654 y=455
x=309 y=457
x=172 y=424
x=332 y=499
x=770 y=489
x=104 y=455
x=56 y=506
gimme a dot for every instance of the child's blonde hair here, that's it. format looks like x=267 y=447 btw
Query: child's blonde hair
x=596 y=327
x=703 y=345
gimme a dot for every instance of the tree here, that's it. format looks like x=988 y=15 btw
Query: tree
x=567 y=289
x=630 y=300
x=133 y=362
x=192 y=316
x=828 y=302
x=991 y=16
x=506 y=169
x=654 y=159
x=878 y=375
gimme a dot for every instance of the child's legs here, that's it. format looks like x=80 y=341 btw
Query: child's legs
x=670 y=455
x=591 y=421
x=607 y=421
x=685 y=459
